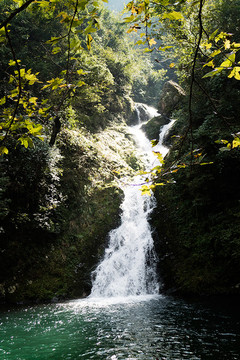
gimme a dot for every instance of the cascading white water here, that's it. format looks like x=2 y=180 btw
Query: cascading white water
x=129 y=264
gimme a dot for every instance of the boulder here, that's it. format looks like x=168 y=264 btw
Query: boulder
x=153 y=126
x=171 y=96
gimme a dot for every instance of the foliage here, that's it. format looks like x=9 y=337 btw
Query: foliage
x=198 y=217
x=78 y=21
x=80 y=52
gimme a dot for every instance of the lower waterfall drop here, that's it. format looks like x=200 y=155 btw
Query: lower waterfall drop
x=130 y=261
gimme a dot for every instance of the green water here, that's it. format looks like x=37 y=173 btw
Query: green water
x=158 y=328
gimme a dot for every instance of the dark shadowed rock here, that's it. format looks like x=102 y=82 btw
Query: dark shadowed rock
x=153 y=126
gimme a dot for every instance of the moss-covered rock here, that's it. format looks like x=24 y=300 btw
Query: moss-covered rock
x=171 y=96
x=55 y=260
x=198 y=225
x=153 y=126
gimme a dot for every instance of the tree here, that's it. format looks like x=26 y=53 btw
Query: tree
x=24 y=114
x=184 y=35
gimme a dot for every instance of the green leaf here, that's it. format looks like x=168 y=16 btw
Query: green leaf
x=213 y=73
x=81 y=72
x=215 y=53
x=207 y=163
x=81 y=83
x=23 y=141
x=148 y=50
x=229 y=62
x=33 y=100
x=164 y=48
x=173 y=15
x=56 y=50
x=212 y=36
x=221 y=141
x=140 y=42
x=3 y=100
x=130 y=18
x=36 y=130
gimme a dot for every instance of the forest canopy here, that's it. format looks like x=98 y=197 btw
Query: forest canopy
x=53 y=52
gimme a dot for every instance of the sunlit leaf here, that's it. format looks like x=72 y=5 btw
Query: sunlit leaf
x=89 y=41
x=210 y=63
x=173 y=15
x=3 y=100
x=152 y=42
x=236 y=142
x=3 y=150
x=33 y=100
x=12 y=63
x=56 y=50
x=206 y=163
x=235 y=73
x=154 y=142
x=213 y=72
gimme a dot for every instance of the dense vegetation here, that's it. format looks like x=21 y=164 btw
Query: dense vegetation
x=64 y=141
x=70 y=76
x=197 y=220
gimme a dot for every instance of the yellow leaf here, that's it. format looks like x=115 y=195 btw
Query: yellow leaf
x=236 y=142
x=173 y=15
x=3 y=150
x=12 y=63
x=56 y=50
x=229 y=62
x=235 y=73
x=227 y=44
x=33 y=100
x=172 y=65
x=214 y=53
x=152 y=42
x=89 y=41
x=159 y=156
x=145 y=190
x=81 y=72
x=207 y=45
x=210 y=63
x=3 y=100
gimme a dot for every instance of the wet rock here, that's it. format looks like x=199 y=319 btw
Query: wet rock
x=153 y=126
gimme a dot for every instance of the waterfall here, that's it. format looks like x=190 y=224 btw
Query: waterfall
x=129 y=264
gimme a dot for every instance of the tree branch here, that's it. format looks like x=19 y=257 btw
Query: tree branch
x=190 y=127
x=69 y=36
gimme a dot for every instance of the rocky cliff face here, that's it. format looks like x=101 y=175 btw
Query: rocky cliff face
x=197 y=217
x=171 y=97
x=60 y=205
